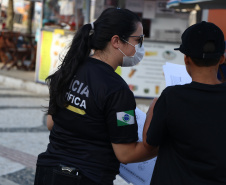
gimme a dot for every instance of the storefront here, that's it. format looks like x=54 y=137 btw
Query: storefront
x=146 y=80
x=209 y=10
x=59 y=23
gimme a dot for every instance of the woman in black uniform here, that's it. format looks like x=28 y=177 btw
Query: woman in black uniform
x=92 y=107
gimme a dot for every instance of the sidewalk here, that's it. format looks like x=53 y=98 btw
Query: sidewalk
x=22 y=79
x=17 y=155
x=23 y=137
x=23 y=131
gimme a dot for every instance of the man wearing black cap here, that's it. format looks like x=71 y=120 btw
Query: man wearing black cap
x=189 y=121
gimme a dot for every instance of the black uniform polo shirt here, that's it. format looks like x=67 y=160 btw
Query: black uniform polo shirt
x=100 y=112
x=189 y=125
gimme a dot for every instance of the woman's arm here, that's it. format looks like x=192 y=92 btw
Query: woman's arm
x=138 y=151
x=134 y=152
x=50 y=122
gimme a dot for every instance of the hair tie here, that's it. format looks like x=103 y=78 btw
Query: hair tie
x=92 y=25
x=92 y=28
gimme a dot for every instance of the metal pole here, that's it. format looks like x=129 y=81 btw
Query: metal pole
x=1 y=16
x=0 y=9
x=76 y=15
x=87 y=20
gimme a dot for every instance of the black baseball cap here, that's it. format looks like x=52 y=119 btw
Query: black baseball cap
x=196 y=36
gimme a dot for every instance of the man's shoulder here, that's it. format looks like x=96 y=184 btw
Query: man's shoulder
x=176 y=88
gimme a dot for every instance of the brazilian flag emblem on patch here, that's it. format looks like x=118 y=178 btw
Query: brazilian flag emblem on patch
x=125 y=118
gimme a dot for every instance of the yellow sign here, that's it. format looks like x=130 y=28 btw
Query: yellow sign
x=119 y=70
x=59 y=31
x=45 y=58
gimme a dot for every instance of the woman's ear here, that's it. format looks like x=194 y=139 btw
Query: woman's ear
x=115 y=41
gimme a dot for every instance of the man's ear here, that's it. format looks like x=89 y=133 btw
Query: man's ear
x=187 y=60
x=115 y=41
x=222 y=59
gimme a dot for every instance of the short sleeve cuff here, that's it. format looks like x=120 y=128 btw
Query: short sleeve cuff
x=124 y=140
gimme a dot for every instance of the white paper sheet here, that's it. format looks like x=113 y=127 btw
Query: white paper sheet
x=138 y=173
x=176 y=74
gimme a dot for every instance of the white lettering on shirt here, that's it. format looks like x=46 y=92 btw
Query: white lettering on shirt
x=77 y=87
x=83 y=104
x=73 y=86
x=80 y=88
x=77 y=102
x=85 y=91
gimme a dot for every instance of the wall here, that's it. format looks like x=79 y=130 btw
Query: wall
x=218 y=17
x=171 y=28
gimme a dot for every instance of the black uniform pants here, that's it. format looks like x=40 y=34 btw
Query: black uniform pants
x=55 y=176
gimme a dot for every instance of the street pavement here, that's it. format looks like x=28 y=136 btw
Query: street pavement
x=23 y=134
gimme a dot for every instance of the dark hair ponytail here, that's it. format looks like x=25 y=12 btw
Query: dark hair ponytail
x=112 y=21
x=60 y=80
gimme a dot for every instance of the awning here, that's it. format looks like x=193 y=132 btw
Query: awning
x=190 y=4
x=34 y=0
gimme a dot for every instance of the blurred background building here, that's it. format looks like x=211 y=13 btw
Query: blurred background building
x=54 y=22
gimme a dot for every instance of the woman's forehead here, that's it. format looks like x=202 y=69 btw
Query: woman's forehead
x=139 y=30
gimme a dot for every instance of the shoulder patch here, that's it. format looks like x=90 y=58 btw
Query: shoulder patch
x=125 y=118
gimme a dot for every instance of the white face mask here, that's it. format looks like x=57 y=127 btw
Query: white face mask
x=133 y=60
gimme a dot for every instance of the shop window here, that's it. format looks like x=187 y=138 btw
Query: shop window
x=18 y=18
x=146 y=27
x=62 y=13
